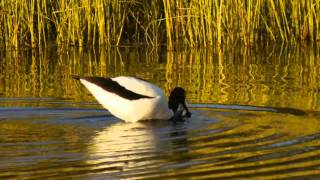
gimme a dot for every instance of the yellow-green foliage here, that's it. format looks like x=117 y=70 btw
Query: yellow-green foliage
x=36 y=23
x=195 y=22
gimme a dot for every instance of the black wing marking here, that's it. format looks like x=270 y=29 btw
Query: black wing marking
x=112 y=86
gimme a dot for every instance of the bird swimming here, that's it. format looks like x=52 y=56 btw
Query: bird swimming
x=133 y=99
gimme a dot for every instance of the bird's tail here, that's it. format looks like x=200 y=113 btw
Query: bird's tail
x=77 y=77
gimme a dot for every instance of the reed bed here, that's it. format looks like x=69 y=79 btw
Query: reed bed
x=191 y=23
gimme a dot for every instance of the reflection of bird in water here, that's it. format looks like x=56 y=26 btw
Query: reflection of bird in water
x=133 y=99
x=123 y=146
x=138 y=147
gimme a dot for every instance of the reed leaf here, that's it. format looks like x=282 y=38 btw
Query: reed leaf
x=180 y=23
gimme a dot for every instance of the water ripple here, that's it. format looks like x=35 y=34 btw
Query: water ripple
x=224 y=143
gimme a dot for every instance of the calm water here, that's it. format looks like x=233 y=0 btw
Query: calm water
x=256 y=114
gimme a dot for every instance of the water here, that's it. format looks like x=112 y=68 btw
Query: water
x=255 y=115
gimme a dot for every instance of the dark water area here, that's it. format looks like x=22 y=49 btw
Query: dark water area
x=256 y=114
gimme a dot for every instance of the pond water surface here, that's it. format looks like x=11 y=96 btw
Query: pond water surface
x=255 y=115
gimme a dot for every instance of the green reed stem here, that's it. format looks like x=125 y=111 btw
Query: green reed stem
x=192 y=23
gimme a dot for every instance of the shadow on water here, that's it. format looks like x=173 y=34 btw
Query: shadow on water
x=292 y=111
x=255 y=115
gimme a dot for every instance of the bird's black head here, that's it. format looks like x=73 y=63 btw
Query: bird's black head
x=177 y=102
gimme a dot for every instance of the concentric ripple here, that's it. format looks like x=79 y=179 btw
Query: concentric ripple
x=216 y=143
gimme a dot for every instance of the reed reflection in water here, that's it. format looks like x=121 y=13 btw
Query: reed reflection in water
x=51 y=127
x=265 y=76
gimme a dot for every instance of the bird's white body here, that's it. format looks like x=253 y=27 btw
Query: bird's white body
x=155 y=107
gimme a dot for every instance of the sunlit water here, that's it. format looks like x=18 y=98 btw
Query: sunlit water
x=255 y=115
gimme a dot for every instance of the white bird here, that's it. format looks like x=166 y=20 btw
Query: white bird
x=132 y=99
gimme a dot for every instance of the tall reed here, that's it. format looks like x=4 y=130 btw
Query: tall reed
x=202 y=23
x=192 y=23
